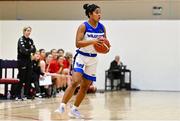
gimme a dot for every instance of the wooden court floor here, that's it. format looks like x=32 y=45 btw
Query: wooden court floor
x=116 y=105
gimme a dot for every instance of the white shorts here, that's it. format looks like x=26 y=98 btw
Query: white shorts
x=86 y=66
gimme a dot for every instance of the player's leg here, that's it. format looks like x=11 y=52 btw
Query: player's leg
x=74 y=113
x=82 y=92
x=76 y=79
x=89 y=76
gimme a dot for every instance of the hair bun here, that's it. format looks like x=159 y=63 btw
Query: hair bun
x=85 y=6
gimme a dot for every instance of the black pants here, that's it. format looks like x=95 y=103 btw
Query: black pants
x=35 y=80
x=25 y=76
x=116 y=75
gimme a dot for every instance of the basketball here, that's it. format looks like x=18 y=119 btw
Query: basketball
x=104 y=47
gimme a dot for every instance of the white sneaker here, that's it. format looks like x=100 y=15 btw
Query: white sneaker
x=60 y=110
x=38 y=95
x=74 y=113
x=16 y=98
x=24 y=98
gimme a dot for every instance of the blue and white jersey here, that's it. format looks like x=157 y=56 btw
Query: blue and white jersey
x=90 y=34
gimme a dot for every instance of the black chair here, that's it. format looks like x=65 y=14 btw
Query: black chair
x=5 y=77
x=125 y=85
x=118 y=74
x=111 y=75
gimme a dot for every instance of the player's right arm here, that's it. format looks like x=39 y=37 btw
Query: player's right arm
x=80 y=35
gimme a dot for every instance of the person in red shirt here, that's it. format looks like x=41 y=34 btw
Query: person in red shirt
x=60 y=83
x=45 y=58
x=54 y=67
x=67 y=68
x=60 y=52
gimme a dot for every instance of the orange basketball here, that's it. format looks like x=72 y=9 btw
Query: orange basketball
x=104 y=47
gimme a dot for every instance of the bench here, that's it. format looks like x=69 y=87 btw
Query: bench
x=7 y=74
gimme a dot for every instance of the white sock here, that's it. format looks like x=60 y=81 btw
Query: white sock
x=74 y=107
x=62 y=104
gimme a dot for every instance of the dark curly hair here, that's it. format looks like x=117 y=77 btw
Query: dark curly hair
x=90 y=8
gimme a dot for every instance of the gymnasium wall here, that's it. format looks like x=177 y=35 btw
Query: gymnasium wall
x=0 y=42
x=72 y=9
x=149 y=48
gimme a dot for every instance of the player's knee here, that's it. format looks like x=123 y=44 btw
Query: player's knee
x=74 y=84
x=84 y=88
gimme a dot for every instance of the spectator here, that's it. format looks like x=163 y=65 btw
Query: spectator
x=60 y=52
x=54 y=67
x=92 y=88
x=61 y=76
x=36 y=72
x=48 y=60
x=116 y=63
x=114 y=71
x=67 y=69
x=44 y=61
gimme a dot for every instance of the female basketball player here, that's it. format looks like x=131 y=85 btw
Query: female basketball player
x=85 y=61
